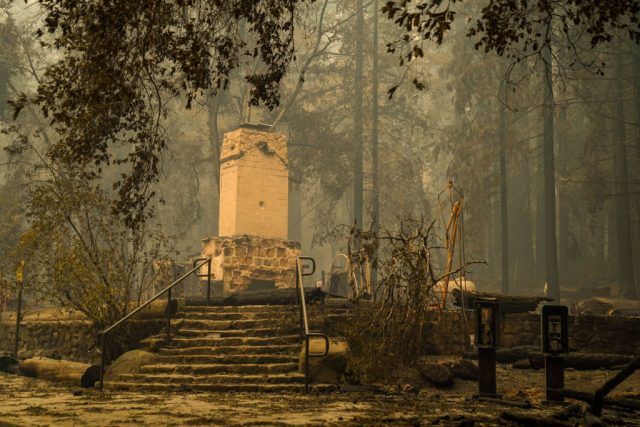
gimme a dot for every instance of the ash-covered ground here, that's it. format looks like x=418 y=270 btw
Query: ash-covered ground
x=30 y=402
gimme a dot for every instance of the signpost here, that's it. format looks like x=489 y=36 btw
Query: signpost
x=555 y=342
x=487 y=321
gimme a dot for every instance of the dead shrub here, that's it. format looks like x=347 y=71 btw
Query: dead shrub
x=387 y=328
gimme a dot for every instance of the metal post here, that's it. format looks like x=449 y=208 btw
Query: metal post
x=306 y=364
x=102 y=359
x=169 y=315
x=18 y=318
x=487 y=372
x=554 y=378
x=300 y=288
x=209 y=282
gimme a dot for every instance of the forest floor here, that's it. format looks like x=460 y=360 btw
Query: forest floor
x=31 y=402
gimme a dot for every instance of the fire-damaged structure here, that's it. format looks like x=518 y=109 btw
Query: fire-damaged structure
x=252 y=251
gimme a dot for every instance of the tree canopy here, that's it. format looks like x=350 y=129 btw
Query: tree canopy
x=121 y=61
x=516 y=29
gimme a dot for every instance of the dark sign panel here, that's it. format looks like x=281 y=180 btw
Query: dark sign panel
x=555 y=329
x=487 y=316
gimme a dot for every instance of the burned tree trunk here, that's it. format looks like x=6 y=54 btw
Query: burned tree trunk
x=621 y=191
x=551 y=248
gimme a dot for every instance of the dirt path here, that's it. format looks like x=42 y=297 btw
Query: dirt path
x=29 y=402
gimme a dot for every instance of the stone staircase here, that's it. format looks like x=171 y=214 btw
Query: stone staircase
x=251 y=348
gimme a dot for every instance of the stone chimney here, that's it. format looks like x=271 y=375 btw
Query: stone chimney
x=252 y=251
x=254 y=183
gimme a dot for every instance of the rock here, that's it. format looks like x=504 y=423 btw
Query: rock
x=129 y=363
x=522 y=364
x=328 y=369
x=436 y=372
x=408 y=378
x=464 y=369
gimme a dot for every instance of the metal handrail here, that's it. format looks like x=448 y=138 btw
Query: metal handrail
x=102 y=334
x=304 y=322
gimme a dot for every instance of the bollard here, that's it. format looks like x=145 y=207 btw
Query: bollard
x=555 y=342
x=487 y=321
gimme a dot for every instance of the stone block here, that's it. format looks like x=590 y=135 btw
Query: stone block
x=330 y=368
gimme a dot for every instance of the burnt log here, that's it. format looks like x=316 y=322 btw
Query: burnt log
x=611 y=383
x=9 y=365
x=585 y=396
x=508 y=355
x=63 y=371
x=609 y=306
x=508 y=303
x=527 y=419
x=583 y=361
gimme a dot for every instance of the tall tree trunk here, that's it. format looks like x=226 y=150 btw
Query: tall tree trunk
x=541 y=263
x=621 y=190
x=504 y=214
x=563 y=207
x=636 y=84
x=213 y=107
x=375 y=194
x=358 y=180
x=551 y=252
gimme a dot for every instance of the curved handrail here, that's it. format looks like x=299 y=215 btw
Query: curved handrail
x=102 y=334
x=304 y=322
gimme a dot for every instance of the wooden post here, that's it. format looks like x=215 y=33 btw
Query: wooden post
x=554 y=378
x=487 y=315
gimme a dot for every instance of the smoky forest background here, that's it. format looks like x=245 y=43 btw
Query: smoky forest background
x=525 y=113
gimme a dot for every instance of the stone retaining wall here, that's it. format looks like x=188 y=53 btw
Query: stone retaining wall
x=68 y=339
x=588 y=333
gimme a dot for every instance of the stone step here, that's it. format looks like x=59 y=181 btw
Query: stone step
x=220 y=368
x=237 y=308
x=234 y=315
x=259 y=332
x=219 y=388
x=227 y=358
x=176 y=378
x=183 y=342
x=233 y=349
x=217 y=325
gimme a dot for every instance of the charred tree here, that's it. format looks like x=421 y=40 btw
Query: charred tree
x=504 y=214
x=358 y=133
x=621 y=190
x=551 y=256
x=375 y=194
x=563 y=202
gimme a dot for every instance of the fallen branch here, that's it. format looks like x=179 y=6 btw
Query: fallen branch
x=532 y=420
x=596 y=406
x=583 y=361
x=585 y=396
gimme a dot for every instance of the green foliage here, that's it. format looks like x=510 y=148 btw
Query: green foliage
x=121 y=60
x=79 y=256
x=517 y=29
